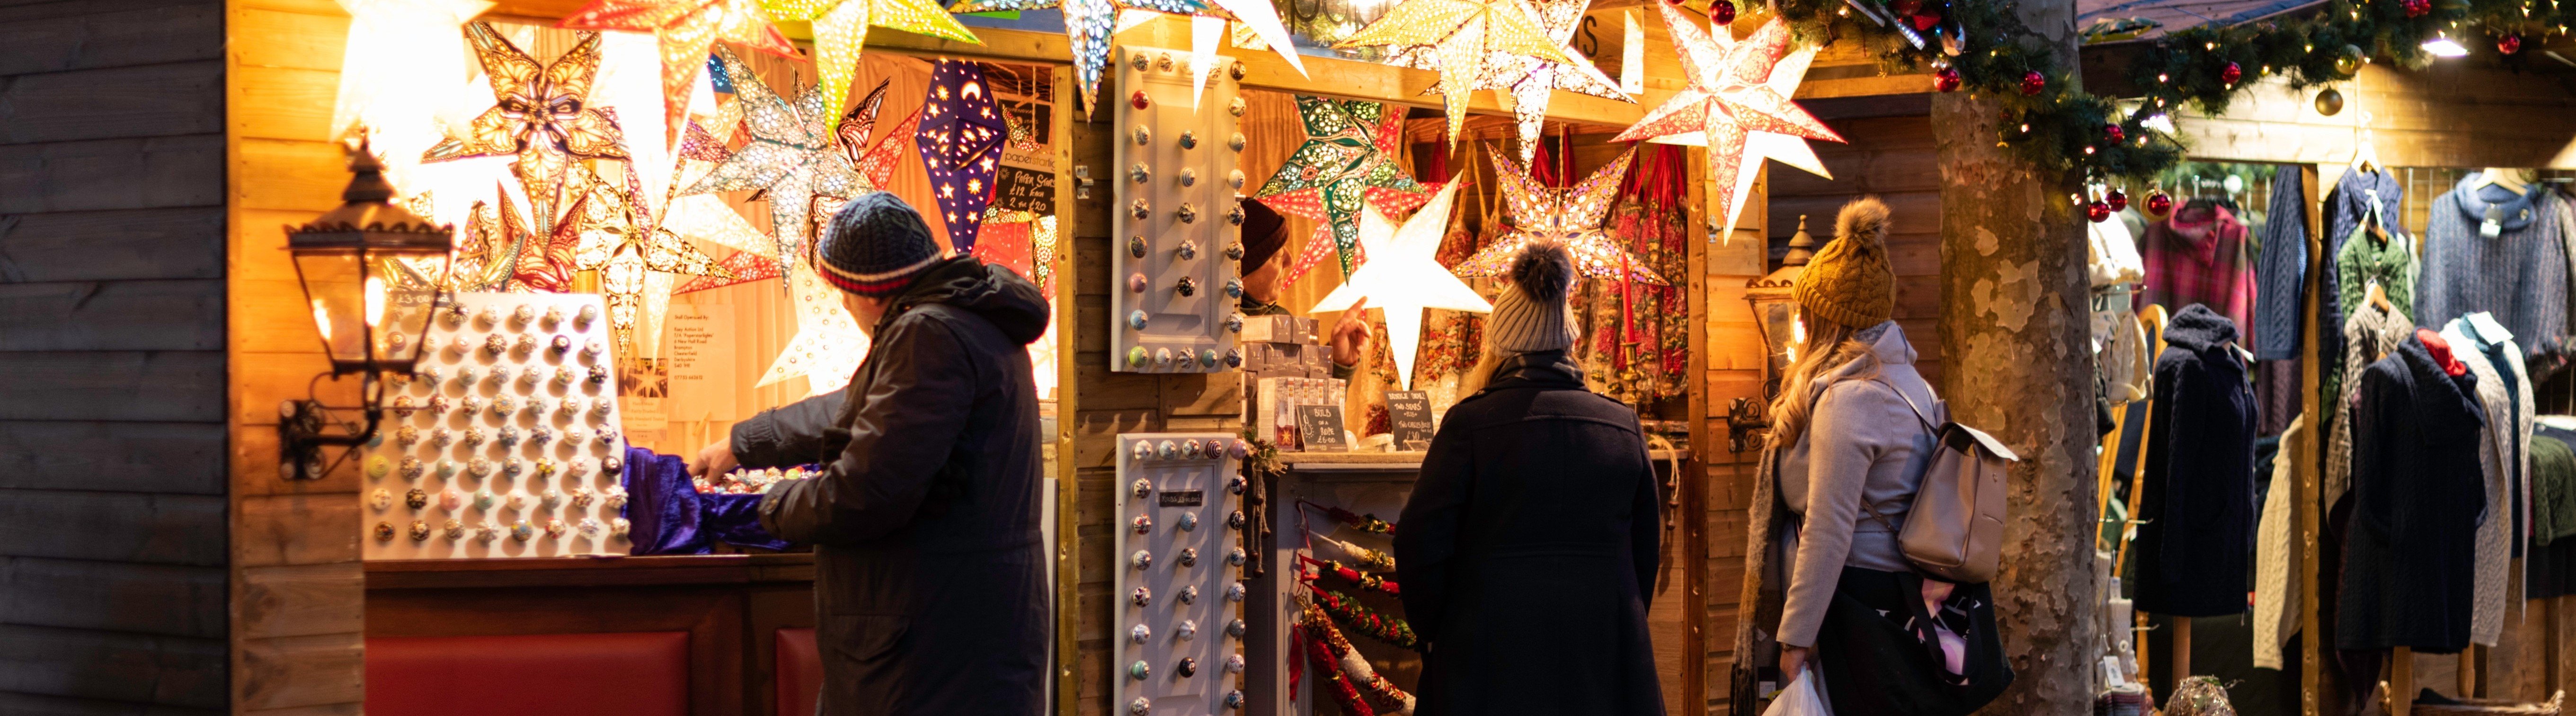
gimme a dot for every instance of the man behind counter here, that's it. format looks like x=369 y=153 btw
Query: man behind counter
x=1265 y=236
x=929 y=581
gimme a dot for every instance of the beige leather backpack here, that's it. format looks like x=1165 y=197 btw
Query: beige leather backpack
x=1956 y=529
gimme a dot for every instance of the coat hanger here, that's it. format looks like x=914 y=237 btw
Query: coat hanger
x=2377 y=297
x=2502 y=177
x=2365 y=157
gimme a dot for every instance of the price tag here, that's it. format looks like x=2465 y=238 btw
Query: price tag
x=1409 y=417
x=1321 y=426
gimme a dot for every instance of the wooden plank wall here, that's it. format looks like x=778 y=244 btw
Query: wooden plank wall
x=298 y=593
x=112 y=560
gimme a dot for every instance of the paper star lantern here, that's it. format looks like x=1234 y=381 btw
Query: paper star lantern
x=1530 y=80
x=961 y=145
x=685 y=29
x=622 y=244
x=841 y=28
x=1464 y=35
x=875 y=163
x=539 y=263
x=540 y=114
x=1571 y=217
x=791 y=158
x=1402 y=277
x=1737 y=105
x=404 y=64
x=1258 y=21
x=828 y=346
x=745 y=266
x=1347 y=162
x=1090 y=23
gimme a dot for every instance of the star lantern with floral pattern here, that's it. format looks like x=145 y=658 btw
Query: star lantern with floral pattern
x=541 y=114
x=1347 y=163
x=960 y=139
x=791 y=158
x=1530 y=80
x=685 y=30
x=1737 y=105
x=626 y=246
x=1570 y=217
x=841 y=29
x=1464 y=37
x=1090 y=24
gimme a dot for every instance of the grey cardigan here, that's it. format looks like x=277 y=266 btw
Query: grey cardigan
x=1863 y=447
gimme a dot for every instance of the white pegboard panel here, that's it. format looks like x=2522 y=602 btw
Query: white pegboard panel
x=1175 y=261
x=1179 y=631
x=505 y=440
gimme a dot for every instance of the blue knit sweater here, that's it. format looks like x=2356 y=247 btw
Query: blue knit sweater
x=2519 y=273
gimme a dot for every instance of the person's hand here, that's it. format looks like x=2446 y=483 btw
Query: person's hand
x=714 y=459
x=1793 y=659
x=1350 y=334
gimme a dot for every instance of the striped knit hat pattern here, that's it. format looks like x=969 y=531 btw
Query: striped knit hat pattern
x=1532 y=315
x=876 y=244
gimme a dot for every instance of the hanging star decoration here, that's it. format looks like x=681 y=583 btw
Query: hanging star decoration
x=404 y=62
x=1464 y=37
x=791 y=158
x=828 y=345
x=684 y=30
x=1737 y=105
x=961 y=145
x=1402 y=277
x=1530 y=80
x=1571 y=217
x=745 y=266
x=1256 y=26
x=540 y=114
x=1090 y=23
x=621 y=242
x=841 y=29
x=875 y=163
x=540 y=262
x=1347 y=162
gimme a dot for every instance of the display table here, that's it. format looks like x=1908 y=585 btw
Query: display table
x=732 y=608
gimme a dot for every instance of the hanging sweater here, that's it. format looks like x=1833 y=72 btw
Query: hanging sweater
x=2409 y=560
x=2198 y=256
x=2276 y=595
x=2351 y=202
x=2368 y=335
x=2518 y=272
x=2197 y=535
x=2500 y=458
x=2282 y=270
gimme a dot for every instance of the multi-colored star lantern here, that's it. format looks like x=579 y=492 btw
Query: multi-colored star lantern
x=1402 y=277
x=541 y=114
x=621 y=243
x=1530 y=80
x=685 y=29
x=791 y=158
x=1347 y=162
x=1465 y=36
x=1571 y=217
x=1090 y=23
x=1737 y=105
x=841 y=29
x=961 y=145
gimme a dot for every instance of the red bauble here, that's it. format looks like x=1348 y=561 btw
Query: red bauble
x=1906 y=7
x=2159 y=203
x=1137 y=100
x=1721 y=13
x=2509 y=44
x=2231 y=73
x=2097 y=211
x=2416 y=8
x=2117 y=200
x=2114 y=132
x=2032 y=82
x=1946 y=79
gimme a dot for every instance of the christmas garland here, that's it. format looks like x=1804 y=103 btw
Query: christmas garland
x=1368 y=558
x=1365 y=523
x=1985 y=48
x=1368 y=622
x=1346 y=672
x=1356 y=578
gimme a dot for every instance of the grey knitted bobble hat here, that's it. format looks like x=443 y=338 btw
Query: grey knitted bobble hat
x=1532 y=314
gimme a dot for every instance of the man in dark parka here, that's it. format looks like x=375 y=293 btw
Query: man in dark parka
x=1528 y=548
x=929 y=581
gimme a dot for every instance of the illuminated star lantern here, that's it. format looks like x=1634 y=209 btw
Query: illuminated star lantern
x=1530 y=80
x=841 y=28
x=1737 y=105
x=1090 y=23
x=622 y=244
x=828 y=346
x=791 y=158
x=1570 y=217
x=539 y=263
x=1347 y=162
x=961 y=144
x=745 y=266
x=405 y=60
x=875 y=164
x=685 y=30
x=540 y=114
x=1403 y=278
x=1464 y=36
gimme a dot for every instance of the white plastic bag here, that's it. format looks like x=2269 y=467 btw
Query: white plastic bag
x=1804 y=697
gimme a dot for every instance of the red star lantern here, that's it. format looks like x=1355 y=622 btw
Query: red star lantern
x=1737 y=105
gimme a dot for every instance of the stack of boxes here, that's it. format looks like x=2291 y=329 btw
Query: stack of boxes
x=1283 y=367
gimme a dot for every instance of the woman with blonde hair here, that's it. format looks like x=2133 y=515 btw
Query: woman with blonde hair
x=1528 y=548
x=1851 y=435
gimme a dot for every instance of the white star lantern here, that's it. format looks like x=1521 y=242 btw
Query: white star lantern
x=1402 y=278
x=828 y=345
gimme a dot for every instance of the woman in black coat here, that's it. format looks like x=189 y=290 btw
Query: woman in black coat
x=1528 y=548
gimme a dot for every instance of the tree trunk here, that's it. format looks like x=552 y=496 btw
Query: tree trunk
x=2014 y=339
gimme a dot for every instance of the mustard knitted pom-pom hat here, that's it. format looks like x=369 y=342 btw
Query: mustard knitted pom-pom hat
x=1851 y=281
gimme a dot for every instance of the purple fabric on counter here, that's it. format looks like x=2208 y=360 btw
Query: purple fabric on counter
x=668 y=516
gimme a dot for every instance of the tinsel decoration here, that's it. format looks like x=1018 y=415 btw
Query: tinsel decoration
x=1355 y=577
x=1353 y=683
x=960 y=141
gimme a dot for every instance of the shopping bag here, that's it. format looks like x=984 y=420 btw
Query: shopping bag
x=1802 y=698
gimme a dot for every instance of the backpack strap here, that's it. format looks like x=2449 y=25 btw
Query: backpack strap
x=1919 y=417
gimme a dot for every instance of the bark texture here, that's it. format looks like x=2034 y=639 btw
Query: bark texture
x=2014 y=326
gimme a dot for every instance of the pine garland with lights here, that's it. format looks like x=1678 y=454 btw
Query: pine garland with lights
x=2052 y=124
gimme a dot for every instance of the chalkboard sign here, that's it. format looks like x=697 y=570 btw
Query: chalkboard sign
x=1025 y=190
x=1409 y=417
x=1321 y=426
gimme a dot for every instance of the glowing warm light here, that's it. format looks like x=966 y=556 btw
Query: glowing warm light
x=2445 y=47
x=1530 y=80
x=1738 y=105
x=375 y=302
x=790 y=156
x=322 y=319
x=1089 y=24
x=841 y=29
x=1571 y=217
x=1403 y=278
x=1465 y=38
